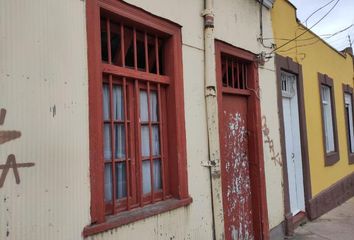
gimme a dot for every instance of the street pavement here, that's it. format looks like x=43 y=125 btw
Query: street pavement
x=338 y=224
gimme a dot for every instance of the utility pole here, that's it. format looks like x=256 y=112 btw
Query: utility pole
x=350 y=42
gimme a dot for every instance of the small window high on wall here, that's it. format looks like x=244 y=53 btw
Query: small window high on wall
x=329 y=124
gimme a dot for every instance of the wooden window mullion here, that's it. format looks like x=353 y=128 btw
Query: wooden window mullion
x=127 y=155
x=150 y=143
x=160 y=119
x=138 y=147
x=112 y=144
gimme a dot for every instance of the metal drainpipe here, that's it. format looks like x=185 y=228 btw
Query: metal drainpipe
x=212 y=121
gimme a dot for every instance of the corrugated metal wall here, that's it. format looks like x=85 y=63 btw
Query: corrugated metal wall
x=43 y=87
x=43 y=82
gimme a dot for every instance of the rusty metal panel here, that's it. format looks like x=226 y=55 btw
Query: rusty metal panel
x=236 y=183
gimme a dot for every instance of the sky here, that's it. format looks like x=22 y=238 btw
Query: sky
x=341 y=17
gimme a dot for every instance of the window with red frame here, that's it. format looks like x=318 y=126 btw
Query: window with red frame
x=134 y=113
x=138 y=165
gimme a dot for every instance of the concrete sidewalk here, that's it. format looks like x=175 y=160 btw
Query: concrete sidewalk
x=337 y=224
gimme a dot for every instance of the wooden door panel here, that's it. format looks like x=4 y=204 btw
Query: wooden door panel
x=236 y=184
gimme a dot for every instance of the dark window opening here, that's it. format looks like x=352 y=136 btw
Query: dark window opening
x=234 y=72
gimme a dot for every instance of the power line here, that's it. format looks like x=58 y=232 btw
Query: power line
x=307 y=29
x=308 y=44
x=317 y=11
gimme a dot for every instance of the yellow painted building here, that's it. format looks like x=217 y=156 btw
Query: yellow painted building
x=328 y=173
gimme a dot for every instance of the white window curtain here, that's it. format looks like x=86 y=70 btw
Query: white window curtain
x=119 y=138
x=121 y=179
x=328 y=118
x=145 y=141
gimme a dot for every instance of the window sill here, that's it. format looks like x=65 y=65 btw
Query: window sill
x=331 y=158
x=127 y=217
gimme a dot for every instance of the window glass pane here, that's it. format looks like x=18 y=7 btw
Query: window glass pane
x=108 y=182
x=154 y=106
x=349 y=116
x=146 y=177
x=157 y=174
x=145 y=137
x=120 y=140
x=121 y=180
x=144 y=106
x=107 y=150
x=328 y=120
x=155 y=140
x=106 y=101
x=118 y=103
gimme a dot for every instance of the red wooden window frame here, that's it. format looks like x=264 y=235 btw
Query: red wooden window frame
x=169 y=87
x=225 y=53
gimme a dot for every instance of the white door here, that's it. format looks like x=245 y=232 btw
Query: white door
x=293 y=143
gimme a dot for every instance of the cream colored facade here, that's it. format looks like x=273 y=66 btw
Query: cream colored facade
x=44 y=88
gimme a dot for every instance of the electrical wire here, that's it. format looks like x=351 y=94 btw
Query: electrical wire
x=317 y=11
x=283 y=45
x=319 y=39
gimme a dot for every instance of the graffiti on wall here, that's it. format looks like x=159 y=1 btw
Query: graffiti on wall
x=275 y=156
x=6 y=136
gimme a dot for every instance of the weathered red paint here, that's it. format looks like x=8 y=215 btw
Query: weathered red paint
x=242 y=165
x=236 y=184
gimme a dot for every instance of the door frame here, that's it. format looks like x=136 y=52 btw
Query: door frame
x=255 y=144
x=288 y=65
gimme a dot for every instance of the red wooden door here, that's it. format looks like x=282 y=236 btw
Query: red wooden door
x=236 y=184
x=242 y=166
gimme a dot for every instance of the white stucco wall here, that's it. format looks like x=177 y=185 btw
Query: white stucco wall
x=43 y=65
